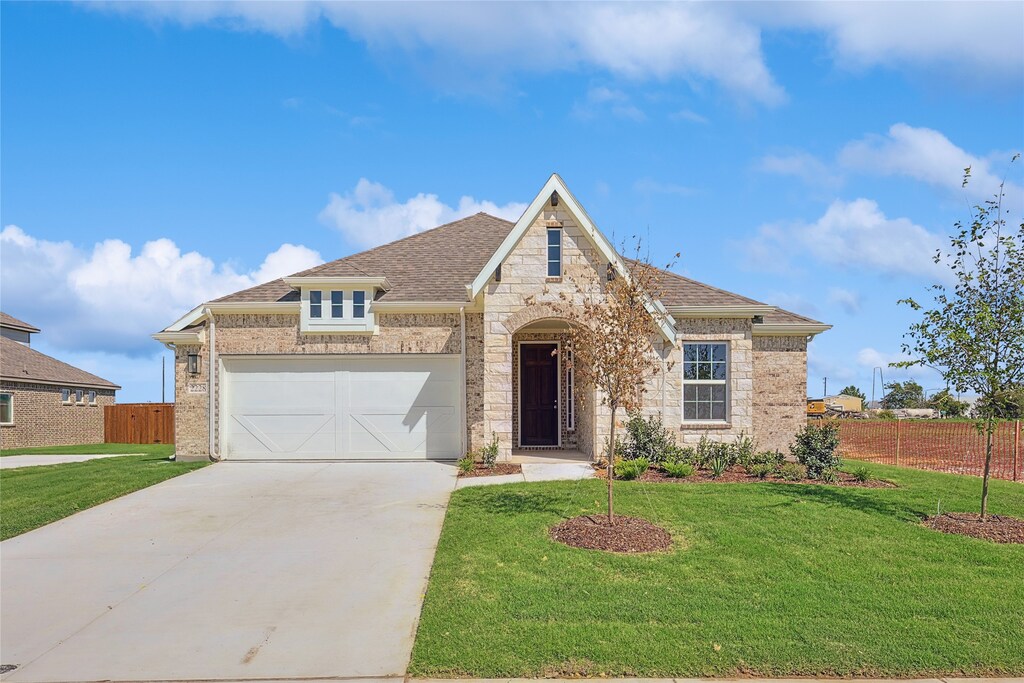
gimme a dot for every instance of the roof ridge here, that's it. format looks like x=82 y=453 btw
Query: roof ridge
x=398 y=241
x=698 y=282
x=18 y=348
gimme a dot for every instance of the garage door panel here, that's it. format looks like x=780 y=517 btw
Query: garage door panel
x=352 y=407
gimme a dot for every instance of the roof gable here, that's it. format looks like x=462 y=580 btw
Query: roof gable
x=13 y=323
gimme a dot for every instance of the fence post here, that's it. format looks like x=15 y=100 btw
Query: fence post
x=1016 y=448
x=898 y=426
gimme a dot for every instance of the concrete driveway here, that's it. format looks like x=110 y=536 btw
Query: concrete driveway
x=237 y=571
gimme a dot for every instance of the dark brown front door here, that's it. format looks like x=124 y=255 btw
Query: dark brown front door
x=538 y=386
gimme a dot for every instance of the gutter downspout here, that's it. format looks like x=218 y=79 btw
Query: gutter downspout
x=212 y=385
x=464 y=440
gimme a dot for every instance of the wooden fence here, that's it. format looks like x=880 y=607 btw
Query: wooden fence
x=138 y=423
x=944 y=445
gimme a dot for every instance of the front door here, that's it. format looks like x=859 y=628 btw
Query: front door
x=538 y=399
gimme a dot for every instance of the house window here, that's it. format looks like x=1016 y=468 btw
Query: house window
x=554 y=252
x=337 y=304
x=358 y=304
x=65 y=396
x=79 y=395
x=315 y=303
x=92 y=398
x=7 y=409
x=705 y=373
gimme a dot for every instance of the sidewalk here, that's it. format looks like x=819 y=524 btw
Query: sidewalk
x=534 y=472
x=17 y=461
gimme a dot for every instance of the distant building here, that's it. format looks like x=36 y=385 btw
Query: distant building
x=840 y=403
x=44 y=401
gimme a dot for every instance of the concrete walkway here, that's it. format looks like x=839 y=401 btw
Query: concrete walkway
x=9 y=462
x=237 y=571
x=533 y=472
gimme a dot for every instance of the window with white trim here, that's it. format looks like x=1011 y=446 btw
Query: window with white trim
x=92 y=398
x=79 y=395
x=337 y=304
x=316 y=298
x=705 y=382
x=554 y=252
x=65 y=396
x=7 y=409
x=358 y=304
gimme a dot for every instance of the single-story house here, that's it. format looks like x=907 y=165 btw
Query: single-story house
x=426 y=347
x=44 y=401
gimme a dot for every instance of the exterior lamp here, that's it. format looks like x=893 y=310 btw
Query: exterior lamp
x=195 y=363
x=611 y=272
x=554 y=199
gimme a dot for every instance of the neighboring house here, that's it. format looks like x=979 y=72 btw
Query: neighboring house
x=43 y=401
x=425 y=347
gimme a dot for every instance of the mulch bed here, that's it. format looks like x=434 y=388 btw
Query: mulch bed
x=482 y=470
x=997 y=528
x=627 y=535
x=736 y=475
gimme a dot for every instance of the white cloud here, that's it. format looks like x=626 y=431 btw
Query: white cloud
x=601 y=99
x=369 y=215
x=688 y=115
x=633 y=41
x=848 y=300
x=926 y=155
x=850 y=235
x=111 y=298
x=802 y=165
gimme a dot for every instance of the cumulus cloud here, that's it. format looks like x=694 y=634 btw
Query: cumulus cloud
x=926 y=155
x=112 y=298
x=369 y=214
x=603 y=99
x=802 y=165
x=855 y=234
x=846 y=299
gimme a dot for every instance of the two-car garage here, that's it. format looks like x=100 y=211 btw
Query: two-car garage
x=354 y=407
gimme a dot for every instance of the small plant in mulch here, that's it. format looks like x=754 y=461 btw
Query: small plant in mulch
x=625 y=535
x=484 y=463
x=678 y=470
x=996 y=528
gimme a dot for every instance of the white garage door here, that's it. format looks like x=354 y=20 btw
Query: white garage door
x=353 y=407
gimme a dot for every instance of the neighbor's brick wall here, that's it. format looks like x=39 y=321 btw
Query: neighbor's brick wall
x=40 y=419
x=780 y=397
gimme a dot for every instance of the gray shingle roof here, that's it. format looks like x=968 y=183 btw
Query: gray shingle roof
x=436 y=265
x=15 y=324
x=20 y=363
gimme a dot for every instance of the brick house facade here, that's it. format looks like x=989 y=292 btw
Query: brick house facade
x=465 y=298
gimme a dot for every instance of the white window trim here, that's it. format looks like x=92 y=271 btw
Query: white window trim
x=10 y=398
x=561 y=250
x=80 y=400
x=342 y=304
x=347 y=323
x=69 y=400
x=519 y=390
x=91 y=396
x=727 y=382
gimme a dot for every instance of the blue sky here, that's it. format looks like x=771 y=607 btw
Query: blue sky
x=808 y=155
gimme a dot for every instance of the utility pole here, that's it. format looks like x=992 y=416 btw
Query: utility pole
x=826 y=388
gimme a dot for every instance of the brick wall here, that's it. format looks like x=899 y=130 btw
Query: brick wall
x=40 y=419
x=780 y=395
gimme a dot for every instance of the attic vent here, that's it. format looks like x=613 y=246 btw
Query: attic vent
x=554 y=199
x=758 y=319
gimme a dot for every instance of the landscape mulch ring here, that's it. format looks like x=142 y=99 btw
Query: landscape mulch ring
x=499 y=468
x=736 y=475
x=627 y=535
x=997 y=528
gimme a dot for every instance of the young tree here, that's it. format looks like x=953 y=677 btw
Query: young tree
x=908 y=394
x=974 y=335
x=852 y=390
x=611 y=337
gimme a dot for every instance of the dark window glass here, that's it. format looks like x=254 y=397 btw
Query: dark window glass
x=705 y=371
x=337 y=304
x=358 y=304
x=315 y=301
x=554 y=252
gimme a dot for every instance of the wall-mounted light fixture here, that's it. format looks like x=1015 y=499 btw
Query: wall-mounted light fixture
x=195 y=363
x=497 y=273
x=554 y=199
x=611 y=272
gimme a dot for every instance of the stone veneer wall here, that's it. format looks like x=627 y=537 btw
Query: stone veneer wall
x=41 y=419
x=780 y=398
x=279 y=334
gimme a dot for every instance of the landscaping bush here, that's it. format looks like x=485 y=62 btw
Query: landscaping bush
x=465 y=464
x=744 y=449
x=631 y=469
x=489 y=453
x=791 y=471
x=709 y=451
x=886 y=415
x=760 y=470
x=678 y=470
x=685 y=454
x=829 y=476
x=647 y=438
x=718 y=465
x=862 y=474
x=816 y=448
x=771 y=460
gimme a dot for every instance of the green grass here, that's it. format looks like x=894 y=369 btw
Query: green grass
x=33 y=496
x=766 y=579
x=162 y=449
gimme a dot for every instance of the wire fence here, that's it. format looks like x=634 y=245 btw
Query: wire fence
x=945 y=446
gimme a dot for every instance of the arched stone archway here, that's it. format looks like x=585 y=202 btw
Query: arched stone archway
x=530 y=314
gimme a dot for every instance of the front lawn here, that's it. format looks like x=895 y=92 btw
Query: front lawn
x=33 y=496
x=765 y=579
x=162 y=449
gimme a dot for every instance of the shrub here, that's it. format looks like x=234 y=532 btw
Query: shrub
x=489 y=453
x=743 y=449
x=760 y=470
x=718 y=465
x=791 y=471
x=708 y=451
x=816 y=447
x=647 y=438
x=678 y=470
x=466 y=464
x=886 y=415
x=770 y=459
x=862 y=474
x=631 y=469
x=829 y=476
x=686 y=454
